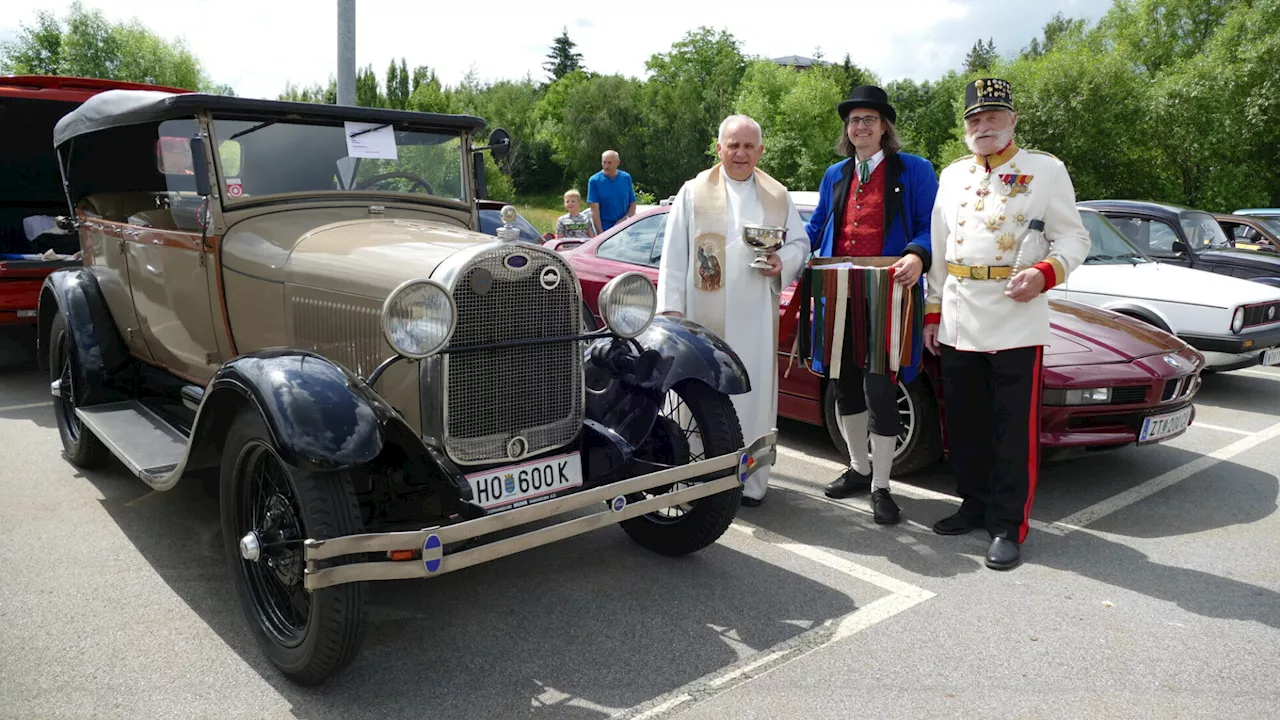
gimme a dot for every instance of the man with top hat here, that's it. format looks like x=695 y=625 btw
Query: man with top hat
x=1005 y=230
x=876 y=202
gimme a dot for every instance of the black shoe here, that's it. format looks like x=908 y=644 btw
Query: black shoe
x=849 y=484
x=1002 y=554
x=751 y=502
x=885 y=509
x=957 y=524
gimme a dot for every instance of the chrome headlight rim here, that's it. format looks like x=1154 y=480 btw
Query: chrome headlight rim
x=606 y=302
x=391 y=298
x=1237 y=320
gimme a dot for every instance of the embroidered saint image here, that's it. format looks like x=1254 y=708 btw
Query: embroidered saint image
x=709 y=271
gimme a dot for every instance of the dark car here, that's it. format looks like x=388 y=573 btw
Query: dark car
x=1109 y=381
x=1187 y=237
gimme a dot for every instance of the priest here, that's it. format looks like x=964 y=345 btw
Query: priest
x=705 y=273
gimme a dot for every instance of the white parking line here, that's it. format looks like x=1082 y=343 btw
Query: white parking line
x=1093 y=513
x=1221 y=428
x=902 y=596
x=1259 y=373
x=28 y=406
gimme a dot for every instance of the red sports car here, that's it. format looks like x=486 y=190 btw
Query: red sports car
x=1109 y=381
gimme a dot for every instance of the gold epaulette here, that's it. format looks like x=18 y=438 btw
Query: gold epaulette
x=963 y=158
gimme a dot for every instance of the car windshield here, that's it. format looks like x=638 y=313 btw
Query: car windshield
x=1270 y=223
x=1203 y=231
x=258 y=158
x=1107 y=246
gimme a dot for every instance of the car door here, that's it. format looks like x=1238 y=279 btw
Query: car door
x=1153 y=236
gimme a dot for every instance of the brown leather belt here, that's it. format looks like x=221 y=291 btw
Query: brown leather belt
x=980 y=272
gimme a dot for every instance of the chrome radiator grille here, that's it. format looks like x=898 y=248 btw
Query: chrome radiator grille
x=531 y=391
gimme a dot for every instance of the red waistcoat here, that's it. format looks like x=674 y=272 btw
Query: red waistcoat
x=862 y=233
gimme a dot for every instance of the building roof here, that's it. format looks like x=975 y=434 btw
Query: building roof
x=799 y=61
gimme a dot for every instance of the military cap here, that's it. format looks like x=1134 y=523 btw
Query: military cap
x=987 y=94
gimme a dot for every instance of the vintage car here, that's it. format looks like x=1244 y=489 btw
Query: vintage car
x=1234 y=323
x=1251 y=232
x=292 y=303
x=1176 y=235
x=31 y=243
x=1109 y=381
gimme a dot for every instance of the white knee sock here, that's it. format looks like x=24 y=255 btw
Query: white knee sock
x=854 y=430
x=882 y=447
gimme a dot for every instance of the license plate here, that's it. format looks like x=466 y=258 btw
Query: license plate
x=1271 y=356
x=1157 y=427
x=519 y=485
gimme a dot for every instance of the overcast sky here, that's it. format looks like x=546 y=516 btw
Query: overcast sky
x=256 y=46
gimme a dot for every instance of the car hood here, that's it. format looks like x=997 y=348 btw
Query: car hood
x=373 y=257
x=1085 y=335
x=1170 y=283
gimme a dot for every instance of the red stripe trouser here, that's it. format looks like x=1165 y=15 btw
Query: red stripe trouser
x=993 y=433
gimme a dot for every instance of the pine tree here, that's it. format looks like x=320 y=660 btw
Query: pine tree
x=562 y=60
x=981 y=56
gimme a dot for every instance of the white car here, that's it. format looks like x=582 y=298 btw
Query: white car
x=1234 y=323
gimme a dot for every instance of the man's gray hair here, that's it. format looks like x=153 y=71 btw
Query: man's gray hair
x=732 y=119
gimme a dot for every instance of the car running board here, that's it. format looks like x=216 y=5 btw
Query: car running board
x=151 y=448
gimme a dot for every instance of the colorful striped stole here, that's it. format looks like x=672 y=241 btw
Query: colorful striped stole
x=849 y=313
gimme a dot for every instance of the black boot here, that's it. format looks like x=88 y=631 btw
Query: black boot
x=849 y=484
x=958 y=523
x=1002 y=554
x=886 y=511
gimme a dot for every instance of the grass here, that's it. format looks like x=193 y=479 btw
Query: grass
x=541 y=211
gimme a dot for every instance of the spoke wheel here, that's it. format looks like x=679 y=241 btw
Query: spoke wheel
x=80 y=445
x=694 y=422
x=271 y=513
x=268 y=510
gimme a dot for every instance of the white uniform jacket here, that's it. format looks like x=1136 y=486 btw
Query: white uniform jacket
x=987 y=206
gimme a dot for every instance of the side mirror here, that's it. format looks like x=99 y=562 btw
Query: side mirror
x=200 y=166
x=499 y=143
x=1179 y=247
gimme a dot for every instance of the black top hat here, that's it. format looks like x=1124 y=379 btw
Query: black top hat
x=868 y=96
x=987 y=94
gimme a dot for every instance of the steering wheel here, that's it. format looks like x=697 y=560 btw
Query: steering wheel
x=417 y=180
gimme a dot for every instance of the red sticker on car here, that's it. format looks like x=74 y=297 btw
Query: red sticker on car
x=234 y=188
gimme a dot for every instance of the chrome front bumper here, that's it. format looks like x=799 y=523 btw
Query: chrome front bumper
x=431 y=541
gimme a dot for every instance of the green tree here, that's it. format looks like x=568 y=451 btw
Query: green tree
x=398 y=81
x=562 y=59
x=368 y=94
x=981 y=56
x=316 y=93
x=851 y=76
x=1155 y=34
x=797 y=113
x=929 y=117
x=86 y=44
x=1059 y=26
x=690 y=90
x=604 y=113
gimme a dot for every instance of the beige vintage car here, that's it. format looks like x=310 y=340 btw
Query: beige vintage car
x=291 y=302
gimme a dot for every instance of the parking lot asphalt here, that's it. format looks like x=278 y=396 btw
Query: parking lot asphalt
x=1150 y=588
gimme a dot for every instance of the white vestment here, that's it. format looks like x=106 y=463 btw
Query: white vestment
x=752 y=299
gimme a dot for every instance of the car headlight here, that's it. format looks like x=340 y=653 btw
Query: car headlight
x=1237 y=320
x=627 y=304
x=1086 y=396
x=418 y=318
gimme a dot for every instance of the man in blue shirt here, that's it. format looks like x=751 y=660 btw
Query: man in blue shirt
x=610 y=193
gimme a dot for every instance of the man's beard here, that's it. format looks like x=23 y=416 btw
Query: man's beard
x=1002 y=140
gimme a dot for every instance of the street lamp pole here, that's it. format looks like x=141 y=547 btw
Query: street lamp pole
x=346 y=52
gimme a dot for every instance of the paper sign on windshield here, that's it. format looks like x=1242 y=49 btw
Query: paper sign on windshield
x=370 y=140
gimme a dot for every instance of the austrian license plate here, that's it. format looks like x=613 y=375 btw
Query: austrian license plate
x=1271 y=356
x=519 y=485
x=1158 y=427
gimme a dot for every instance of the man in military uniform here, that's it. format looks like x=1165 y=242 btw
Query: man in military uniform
x=1005 y=229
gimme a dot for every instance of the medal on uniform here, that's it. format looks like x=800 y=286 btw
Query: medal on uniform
x=1018 y=184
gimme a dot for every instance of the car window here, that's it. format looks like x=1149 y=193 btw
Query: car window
x=1151 y=236
x=639 y=243
x=1202 y=231
x=1107 y=245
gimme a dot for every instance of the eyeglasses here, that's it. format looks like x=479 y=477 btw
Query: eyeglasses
x=863 y=120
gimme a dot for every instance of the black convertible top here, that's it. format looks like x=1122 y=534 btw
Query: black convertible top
x=116 y=108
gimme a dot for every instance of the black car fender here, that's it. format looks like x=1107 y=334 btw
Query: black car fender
x=320 y=416
x=626 y=381
x=100 y=351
